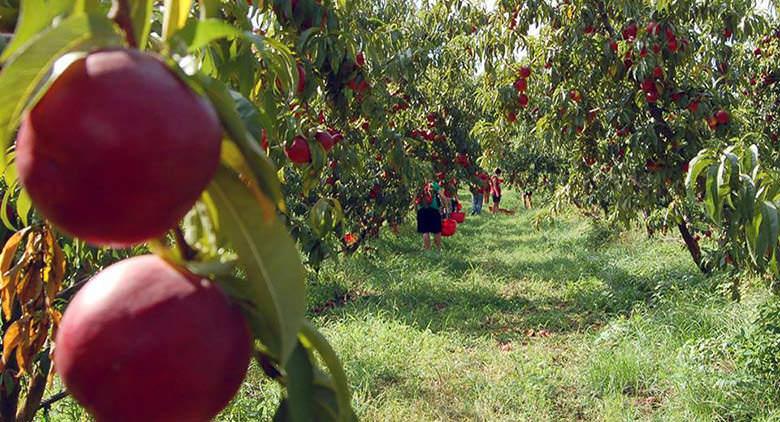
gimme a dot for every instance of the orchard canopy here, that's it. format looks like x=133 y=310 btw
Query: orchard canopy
x=242 y=145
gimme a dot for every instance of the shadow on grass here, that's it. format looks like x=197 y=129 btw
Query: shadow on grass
x=475 y=288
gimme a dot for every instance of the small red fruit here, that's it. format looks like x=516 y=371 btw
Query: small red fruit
x=653 y=28
x=658 y=72
x=325 y=139
x=523 y=100
x=521 y=85
x=669 y=34
x=525 y=72
x=264 y=140
x=360 y=59
x=298 y=152
x=135 y=342
x=693 y=107
x=648 y=85
x=651 y=97
x=629 y=33
x=671 y=45
x=722 y=116
x=511 y=117
x=657 y=48
x=336 y=136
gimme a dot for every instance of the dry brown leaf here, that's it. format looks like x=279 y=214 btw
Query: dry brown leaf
x=11 y=340
x=8 y=293
x=57 y=275
x=9 y=251
x=31 y=287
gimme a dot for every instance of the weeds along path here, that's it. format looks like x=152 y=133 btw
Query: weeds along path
x=508 y=323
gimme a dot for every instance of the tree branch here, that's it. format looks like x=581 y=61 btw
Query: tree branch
x=72 y=290
x=46 y=404
x=605 y=18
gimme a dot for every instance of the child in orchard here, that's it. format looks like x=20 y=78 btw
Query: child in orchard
x=429 y=204
x=495 y=190
x=476 y=198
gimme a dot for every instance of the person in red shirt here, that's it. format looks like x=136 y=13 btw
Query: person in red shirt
x=495 y=190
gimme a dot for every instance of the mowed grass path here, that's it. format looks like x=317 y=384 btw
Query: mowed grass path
x=509 y=323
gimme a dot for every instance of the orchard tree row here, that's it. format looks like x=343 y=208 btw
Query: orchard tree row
x=649 y=108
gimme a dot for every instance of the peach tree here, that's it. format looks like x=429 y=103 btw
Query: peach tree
x=631 y=90
x=140 y=125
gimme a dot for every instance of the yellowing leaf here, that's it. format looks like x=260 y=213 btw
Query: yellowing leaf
x=176 y=13
x=11 y=339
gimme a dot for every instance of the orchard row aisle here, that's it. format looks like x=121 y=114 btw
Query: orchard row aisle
x=508 y=323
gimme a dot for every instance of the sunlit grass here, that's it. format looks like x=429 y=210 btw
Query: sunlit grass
x=508 y=323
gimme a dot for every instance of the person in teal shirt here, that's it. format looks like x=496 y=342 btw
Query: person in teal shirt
x=429 y=203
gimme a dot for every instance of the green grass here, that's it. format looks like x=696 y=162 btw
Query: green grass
x=508 y=323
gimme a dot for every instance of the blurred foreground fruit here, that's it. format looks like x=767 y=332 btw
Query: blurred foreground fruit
x=118 y=149
x=144 y=342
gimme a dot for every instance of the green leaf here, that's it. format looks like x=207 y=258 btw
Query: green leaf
x=712 y=202
x=23 y=207
x=300 y=388
x=197 y=34
x=268 y=255
x=262 y=168
x=176 y=14
x=4 y=205
x=697 y=165
x=24 y=72
x=770 y=229
x=332 y=362
x=747 y=199
x=750 y=160
x=34 y=17
x=255 y=119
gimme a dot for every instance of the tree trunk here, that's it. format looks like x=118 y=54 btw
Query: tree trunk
x=9 y=400
x=693 y=247
x=32 y=400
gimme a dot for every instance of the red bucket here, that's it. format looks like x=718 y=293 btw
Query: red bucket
x=448 y=227
x=459 y=217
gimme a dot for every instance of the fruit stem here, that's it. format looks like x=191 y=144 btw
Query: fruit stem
x=186 y=251
x=332 y=362
x=120 y=13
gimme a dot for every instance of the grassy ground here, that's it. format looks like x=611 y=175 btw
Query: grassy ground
x=508 y=323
